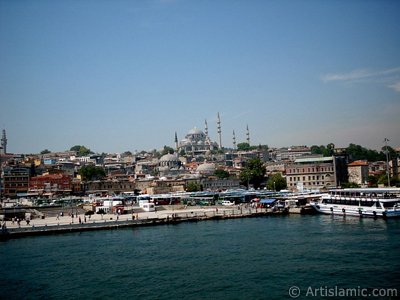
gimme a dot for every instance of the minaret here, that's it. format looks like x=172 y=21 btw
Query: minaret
x=248 y=135
x=176 y=142
x=4 y=142
x=208 y=141
x=219 y=131
x=234 y=140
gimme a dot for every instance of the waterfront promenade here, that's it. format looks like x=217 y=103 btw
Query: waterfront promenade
x=66 y=223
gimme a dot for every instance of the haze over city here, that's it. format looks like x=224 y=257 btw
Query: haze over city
x=126 y=75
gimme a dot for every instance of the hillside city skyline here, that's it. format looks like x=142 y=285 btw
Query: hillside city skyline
x=126 y=75
x=161 y=148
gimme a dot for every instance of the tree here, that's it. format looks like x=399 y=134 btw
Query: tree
x=167 y=150
x=127 y=153
x=243 y=147
x=276 y=182
x=192 y=187
x=373 y=181
x=81 y=150
x=221 y=173
x=45 y=151
x=324 y=150
x=392 y=154
x=92 y=172
x=357 y=152
x=253 y=173
x=348 y=185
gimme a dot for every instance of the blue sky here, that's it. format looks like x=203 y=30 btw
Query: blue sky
x=125 y=75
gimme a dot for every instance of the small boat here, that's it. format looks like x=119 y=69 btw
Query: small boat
x=361 y=202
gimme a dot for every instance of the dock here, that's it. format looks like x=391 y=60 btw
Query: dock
x=66 y=224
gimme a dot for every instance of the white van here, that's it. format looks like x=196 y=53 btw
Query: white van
x=227 y=203
x=147 y=206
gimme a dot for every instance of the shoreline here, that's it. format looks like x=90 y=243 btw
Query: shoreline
x=66 y=224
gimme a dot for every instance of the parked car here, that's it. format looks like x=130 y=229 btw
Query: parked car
x=227 y=203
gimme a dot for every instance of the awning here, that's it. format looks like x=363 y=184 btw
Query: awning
x=267 y=201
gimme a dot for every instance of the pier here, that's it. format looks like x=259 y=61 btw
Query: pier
x=66 y=224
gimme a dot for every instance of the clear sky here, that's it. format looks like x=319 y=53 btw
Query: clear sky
x=125 y=75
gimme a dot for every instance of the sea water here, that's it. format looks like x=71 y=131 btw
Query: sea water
x=253 y=258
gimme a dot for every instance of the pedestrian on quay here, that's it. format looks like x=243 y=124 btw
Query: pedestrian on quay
x=80 y=221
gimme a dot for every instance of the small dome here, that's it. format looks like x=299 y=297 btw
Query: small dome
x=169 y=157
x=208 y=168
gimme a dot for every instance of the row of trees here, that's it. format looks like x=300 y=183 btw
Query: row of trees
x=80 y=150
x=356 y=152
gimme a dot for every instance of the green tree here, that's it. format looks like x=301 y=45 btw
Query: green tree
x=324 y=150
x=392 y=154
x=243 y=147
x=373 y=180
x=276 y=182
x=357 y=152
x=167 y=150
x=383 y=179
x=221 y=173
x=253 y=173
x=45 y=151
x=81 y=150
x=92 y=172
x=192 y=187
x=349 y=185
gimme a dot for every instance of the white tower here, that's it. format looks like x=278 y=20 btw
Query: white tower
x=219 y=131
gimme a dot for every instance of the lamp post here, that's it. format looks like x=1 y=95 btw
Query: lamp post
x=387 y=161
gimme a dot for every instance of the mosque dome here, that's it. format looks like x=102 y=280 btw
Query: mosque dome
x=206 y=168
x=169 y=163
x=169 y=158
x=195 y=131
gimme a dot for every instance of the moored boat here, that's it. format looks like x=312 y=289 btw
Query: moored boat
x=361 y=202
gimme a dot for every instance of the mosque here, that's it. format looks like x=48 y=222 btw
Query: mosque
x=198 y=143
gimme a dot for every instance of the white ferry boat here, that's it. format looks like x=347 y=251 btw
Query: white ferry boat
x=362 y=202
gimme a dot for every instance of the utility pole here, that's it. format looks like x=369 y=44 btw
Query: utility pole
x=387 y=161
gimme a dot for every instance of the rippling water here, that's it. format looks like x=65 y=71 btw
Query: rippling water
x=255 y=258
